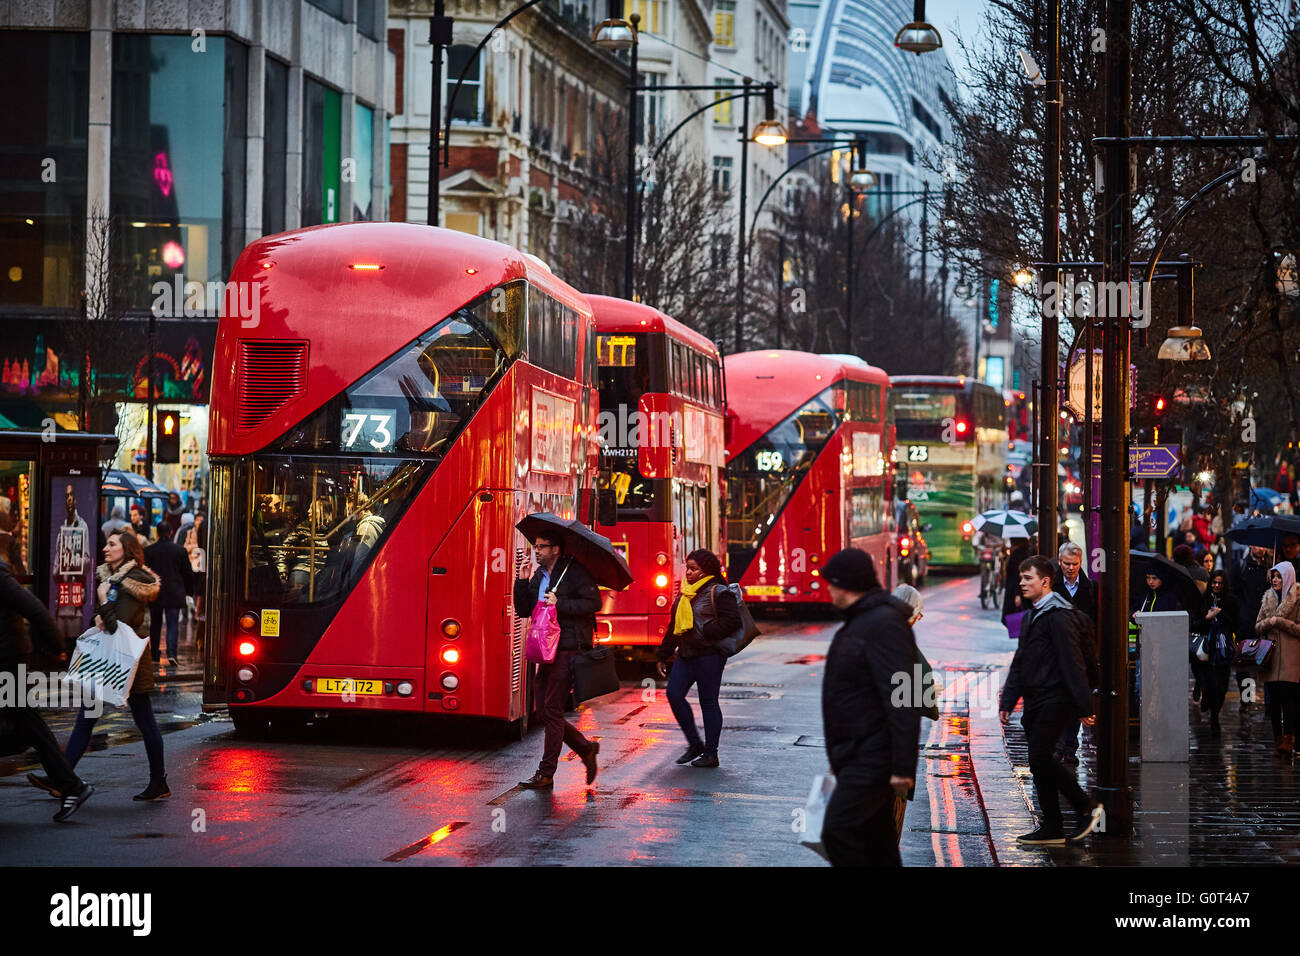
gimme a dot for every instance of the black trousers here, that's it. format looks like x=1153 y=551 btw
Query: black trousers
x=554 y=681
x=1043 y=727
x=1283 y=706
x=860 y=827
x=33 y=730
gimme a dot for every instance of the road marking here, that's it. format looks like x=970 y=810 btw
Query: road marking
x=437 y=836
x=498 y=800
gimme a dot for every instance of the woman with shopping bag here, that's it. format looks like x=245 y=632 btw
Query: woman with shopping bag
x=126 y=586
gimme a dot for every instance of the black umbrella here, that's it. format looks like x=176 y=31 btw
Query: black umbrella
x=130 y=484
x=592 y=550
x=1176 y=577
x=1264 y=532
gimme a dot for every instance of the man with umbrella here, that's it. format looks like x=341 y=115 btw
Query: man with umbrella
x=561 y=580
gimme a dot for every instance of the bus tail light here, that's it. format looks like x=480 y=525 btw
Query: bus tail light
x=450 y=703
x=904 y=546
x=661 y=580
x=247 y=648
x=967 y=528
x=365 y=267
x=661 y=600
x=661 y=559
x=962 y=427
x=247 y=674
x=405 y=688
x=451 y=628
x=248 y=621
x=450 y=682
x=450 y=655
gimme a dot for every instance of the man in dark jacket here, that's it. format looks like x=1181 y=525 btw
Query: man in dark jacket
x=872 y=731
x=1050 y=673
x=16 y=602
x=172 y=564
x=1073 y=585
x=564 y=582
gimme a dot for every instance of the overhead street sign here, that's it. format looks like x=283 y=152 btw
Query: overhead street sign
x=1153 y=461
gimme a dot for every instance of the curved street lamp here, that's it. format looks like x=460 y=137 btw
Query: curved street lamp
x=918 y=36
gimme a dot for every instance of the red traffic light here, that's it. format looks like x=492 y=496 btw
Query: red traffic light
x=1159 y=404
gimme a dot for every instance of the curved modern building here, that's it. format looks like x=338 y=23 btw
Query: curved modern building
x=846 y=73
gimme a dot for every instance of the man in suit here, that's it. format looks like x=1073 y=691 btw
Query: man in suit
x=563 y=582
x=172 y=564
x=1073 y=585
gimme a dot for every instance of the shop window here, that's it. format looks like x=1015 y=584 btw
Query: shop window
x=275 y=146
x=43 y=117
x=363 y=150
x=322 y=111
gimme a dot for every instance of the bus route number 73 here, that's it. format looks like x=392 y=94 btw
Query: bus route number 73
x=371 y=428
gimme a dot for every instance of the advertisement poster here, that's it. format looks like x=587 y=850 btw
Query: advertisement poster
x=552 y=447
x=72 y=552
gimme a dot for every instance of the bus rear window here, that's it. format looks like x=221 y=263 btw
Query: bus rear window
x=917 y=406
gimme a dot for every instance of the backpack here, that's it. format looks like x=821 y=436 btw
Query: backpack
x=733 y=644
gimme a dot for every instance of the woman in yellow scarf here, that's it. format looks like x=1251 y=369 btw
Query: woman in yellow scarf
x=707 y=614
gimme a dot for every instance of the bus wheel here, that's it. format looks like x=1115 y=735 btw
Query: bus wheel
x=250 y=722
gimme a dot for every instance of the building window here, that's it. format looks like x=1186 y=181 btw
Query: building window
x=722 y=175
x=650 y=11
x=468 y=107
x=322 y=110
x=722 y=112
x=724 y=23
x=177 y=185
x=368 y=25
x=363 y=147
x=275 y=146
x=43 y=116
x=333 y=7
x=470 y=222
x=721 y=252
x=651 y=102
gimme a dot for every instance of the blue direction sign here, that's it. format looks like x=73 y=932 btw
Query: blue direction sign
x=1153 y=461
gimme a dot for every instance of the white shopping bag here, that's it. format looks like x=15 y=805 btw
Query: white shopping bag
x=814 y=812
x=104 y=664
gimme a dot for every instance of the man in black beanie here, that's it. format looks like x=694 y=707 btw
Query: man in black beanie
x=872 y=729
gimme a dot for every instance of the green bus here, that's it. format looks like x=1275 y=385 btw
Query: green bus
x=951 y=457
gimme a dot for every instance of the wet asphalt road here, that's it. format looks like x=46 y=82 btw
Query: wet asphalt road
x=386 y=794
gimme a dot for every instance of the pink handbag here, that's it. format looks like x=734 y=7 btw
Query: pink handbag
x=543 y=630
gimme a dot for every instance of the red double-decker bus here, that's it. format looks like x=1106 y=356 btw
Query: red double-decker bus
x=398 y=397
x=662 y=458
x=808 y=472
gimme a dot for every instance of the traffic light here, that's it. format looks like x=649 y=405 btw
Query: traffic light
x=1158 y=405
x=168 y=446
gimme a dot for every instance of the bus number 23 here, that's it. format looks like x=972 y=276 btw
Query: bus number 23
x=918 y=453
x=378 y=434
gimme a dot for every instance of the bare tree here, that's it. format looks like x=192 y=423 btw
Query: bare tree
x=99 y=336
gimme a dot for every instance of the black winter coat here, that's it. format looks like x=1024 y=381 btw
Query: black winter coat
x=172 y=564
x=1050 y=666
x=1249 y=582
x=872 y=725
x=577 y=599
x=710 y=627
x=1018 y=554
x=16 y=603
x=1085 y=598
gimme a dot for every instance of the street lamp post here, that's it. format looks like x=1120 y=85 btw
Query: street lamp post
x=440 y=39
x=1112 y=710
x=740 y=236
x=1050 y=401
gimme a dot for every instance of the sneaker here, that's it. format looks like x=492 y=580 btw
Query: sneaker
x=72 y=802
x=691 y=752
x=1090 y=817
x=43 y=783
x=157 y=790
x=705 y=760
x=1042 y=837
